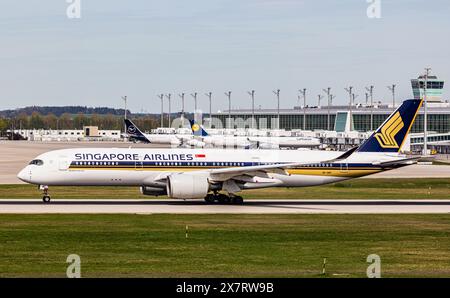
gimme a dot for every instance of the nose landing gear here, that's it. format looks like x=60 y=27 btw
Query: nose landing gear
x=45 y=194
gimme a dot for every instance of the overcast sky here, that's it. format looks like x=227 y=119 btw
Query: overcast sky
x=141 y=48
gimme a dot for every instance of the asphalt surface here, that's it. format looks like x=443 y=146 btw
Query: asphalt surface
x=30 y=206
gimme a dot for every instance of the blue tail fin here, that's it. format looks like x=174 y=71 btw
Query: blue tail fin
x=197 y=129
x=134 y=133
x=389 y=137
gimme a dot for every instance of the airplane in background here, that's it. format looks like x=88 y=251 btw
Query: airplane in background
x=187 y=141
x=134 y=133
x=201 y=139
x=273 y=142
x=219 y=175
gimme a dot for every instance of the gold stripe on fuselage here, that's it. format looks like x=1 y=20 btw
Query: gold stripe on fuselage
x=335 y=172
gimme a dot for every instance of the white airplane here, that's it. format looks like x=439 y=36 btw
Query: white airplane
x=251 y=141
x=134 y=133
x=204 y=173
x=186 y=141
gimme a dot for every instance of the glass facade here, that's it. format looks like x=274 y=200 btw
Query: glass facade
x=269 y=121
x=439 y=123
x=362 y=122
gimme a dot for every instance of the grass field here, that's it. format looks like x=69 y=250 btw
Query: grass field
x=430 y=188
x=224 y=245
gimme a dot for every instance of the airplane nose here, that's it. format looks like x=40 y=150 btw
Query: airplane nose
x=24 y=175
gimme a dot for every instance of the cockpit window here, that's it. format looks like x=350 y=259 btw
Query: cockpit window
x=37 y=162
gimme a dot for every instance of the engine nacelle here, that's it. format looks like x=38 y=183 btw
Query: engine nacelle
x=175 y=142
x=187 y=186
x=196 y=143
x=268 y=146
x=152 y=191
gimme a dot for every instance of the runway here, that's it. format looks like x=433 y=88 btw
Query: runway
x=27 y=206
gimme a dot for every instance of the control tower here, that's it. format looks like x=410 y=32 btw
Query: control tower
x=434 y=88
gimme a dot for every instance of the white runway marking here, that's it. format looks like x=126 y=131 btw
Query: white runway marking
x=249 y=207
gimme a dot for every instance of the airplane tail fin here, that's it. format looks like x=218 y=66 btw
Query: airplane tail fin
x=134 y=132
x=197 y=129
x=389 y=137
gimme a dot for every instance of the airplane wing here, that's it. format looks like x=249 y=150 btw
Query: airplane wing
x=261 y=171
x=397 y=162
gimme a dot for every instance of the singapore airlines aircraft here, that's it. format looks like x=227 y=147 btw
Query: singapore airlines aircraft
x=203 y=173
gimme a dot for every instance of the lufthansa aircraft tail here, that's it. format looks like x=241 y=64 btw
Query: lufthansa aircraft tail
x=134 y=133
x=391 y=135
x=197 y=129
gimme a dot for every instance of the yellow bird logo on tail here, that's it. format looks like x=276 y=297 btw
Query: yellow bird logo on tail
x=195 y=127
x=386 y=136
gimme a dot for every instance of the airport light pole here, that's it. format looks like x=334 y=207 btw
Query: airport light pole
x=328 y=92
x=425 y=115
x=354 y=96
x=209 y=94
x=277 y=93
x=392 y=89
x=161 y=96
x=125 y=100
x=194 y=95
x=182 y=107
x=303 y=92
x=319 y=98
x=370 y=89
x=349 y=90
x=228 y=94
x=168 y=96
x=331 y=103
x=252 y=94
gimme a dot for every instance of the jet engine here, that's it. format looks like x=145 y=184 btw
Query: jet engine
x=268 y=146
x=152 y=191
x=187 y=186
x=195 y=143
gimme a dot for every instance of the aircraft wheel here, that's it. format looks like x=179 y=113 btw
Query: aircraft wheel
x=209 y=199
x=237 y=200
x=46 y=199
x=223 y=199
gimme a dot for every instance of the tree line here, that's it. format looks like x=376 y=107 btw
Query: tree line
x=70 y=121
x=58 y=111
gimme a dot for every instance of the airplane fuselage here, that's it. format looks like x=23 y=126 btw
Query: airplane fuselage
x=140 y=166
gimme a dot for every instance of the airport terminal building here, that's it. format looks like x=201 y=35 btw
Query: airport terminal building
x=359 y=117
x=345 y=126
x=335 y=118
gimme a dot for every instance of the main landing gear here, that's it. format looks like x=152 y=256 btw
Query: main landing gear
x=45 y=194
x=223 y=199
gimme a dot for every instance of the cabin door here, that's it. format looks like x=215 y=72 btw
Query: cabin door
x=344 y=167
